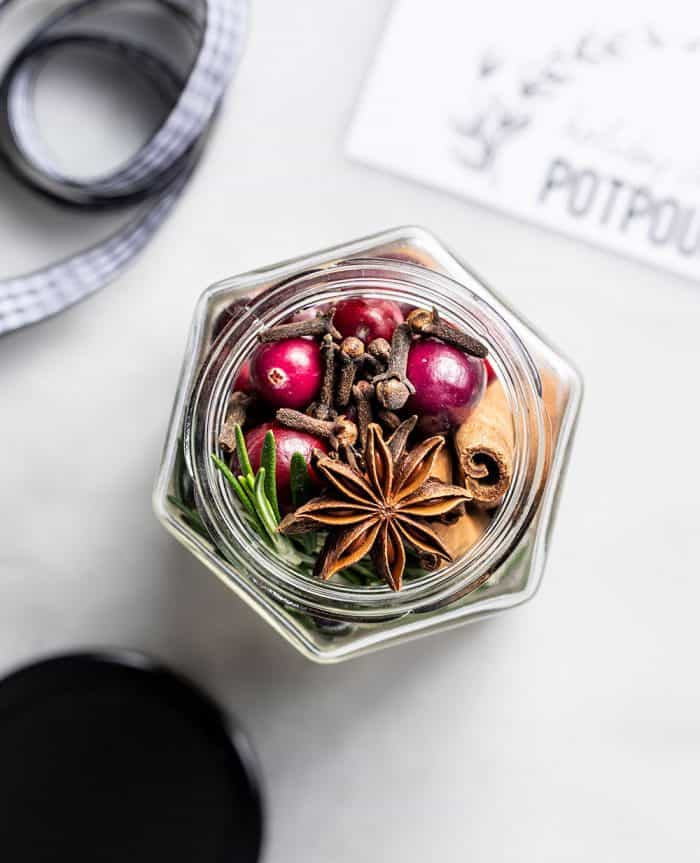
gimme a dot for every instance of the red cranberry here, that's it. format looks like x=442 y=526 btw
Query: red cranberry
x=286 y=374
x=287 y=442
x=243 y=382
x=448 y=385
x=367 y=319
x=490 y=373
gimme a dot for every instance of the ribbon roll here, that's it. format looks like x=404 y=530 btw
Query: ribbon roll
x=154 y=176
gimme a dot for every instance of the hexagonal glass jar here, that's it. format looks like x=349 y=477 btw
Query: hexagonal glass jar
x=327 y=621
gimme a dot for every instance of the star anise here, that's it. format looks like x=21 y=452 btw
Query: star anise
x=378 y=510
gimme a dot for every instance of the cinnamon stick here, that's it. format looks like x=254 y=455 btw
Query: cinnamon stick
x=485 y=448
x=461 y=536
x=444 y=469
x=458 y=534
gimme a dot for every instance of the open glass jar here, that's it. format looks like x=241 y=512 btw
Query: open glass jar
x=335 y=619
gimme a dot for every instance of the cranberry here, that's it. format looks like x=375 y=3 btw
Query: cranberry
x=448 y=383
x=287 y=442
x=367 y=319
x=286 y=374
x=490 y=373
x=243 y=382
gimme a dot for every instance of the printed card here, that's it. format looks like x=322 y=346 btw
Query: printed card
x=579 y=117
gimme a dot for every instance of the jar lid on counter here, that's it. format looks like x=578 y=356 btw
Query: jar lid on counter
x=111 y=757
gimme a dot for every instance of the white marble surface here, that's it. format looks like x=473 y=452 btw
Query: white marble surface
x=567 y=729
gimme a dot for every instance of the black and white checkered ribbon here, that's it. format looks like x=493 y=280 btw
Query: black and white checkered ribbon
x=155 y=175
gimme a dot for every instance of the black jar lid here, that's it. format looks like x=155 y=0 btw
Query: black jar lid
x=110 y=758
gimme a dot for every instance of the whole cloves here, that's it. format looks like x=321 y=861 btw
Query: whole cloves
x=424 y=322
x=390 y=420
x=352 y=347
x=363 y=392
x=350 y=355
x=323 y=409
x=236 y=415
x=380 y=349
x=321 y=325
x=376 y=358
x=370 y=366
x=392 y=386
x=338 y=432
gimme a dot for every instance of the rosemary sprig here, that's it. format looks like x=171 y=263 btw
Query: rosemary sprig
x=302 y=490
x=268 y=462
x=300 y=480
x=263 y=507
x=242 y=453
x=239 y=485
x=258 y=493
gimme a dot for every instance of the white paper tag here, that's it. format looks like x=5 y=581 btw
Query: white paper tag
x=584 y=120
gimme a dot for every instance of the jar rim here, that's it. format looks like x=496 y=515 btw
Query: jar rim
x=403 y=282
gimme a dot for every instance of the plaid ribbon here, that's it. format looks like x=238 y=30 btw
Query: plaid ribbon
x=155 y=176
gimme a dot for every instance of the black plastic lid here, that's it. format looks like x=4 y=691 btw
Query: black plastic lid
x=109 y=758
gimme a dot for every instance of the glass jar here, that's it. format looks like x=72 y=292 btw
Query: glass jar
x=330 y=621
